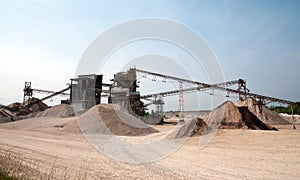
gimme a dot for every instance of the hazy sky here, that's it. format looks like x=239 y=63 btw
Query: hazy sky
x=42 y=40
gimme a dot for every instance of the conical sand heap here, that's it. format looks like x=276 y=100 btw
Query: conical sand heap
x=243 y=114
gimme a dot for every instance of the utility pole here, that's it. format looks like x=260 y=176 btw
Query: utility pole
x=181 y=118
x=293 y=118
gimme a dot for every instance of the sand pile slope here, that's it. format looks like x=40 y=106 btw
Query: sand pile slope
x=232 y=118
x=201 y=127
x=252 y=121
x=72 y=127
x=183 y=130
x=225 y=116
x=267 y=116
x=61 y=110
x=38 y=124
x=111 y=119
x=229 y=116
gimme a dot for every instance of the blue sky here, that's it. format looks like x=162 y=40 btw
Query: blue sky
x=42 y=40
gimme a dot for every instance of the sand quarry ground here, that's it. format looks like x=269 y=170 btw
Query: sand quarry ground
x=232 y=154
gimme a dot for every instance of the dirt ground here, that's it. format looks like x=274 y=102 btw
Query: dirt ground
x=232 y=154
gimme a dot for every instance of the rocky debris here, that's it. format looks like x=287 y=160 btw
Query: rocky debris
x=17 y=111
x=34 y=104
x=4 y=113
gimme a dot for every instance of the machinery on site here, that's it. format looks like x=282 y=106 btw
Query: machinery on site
x=242 y=91
x=87 y=90
x=28 y=93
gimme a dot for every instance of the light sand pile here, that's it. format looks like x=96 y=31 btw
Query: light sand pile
x=267 y=116
x=38 y=124
x=288 y=117
x=105 y=119
x=61 y=110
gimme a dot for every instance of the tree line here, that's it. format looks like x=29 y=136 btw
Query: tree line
x=286 y=109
